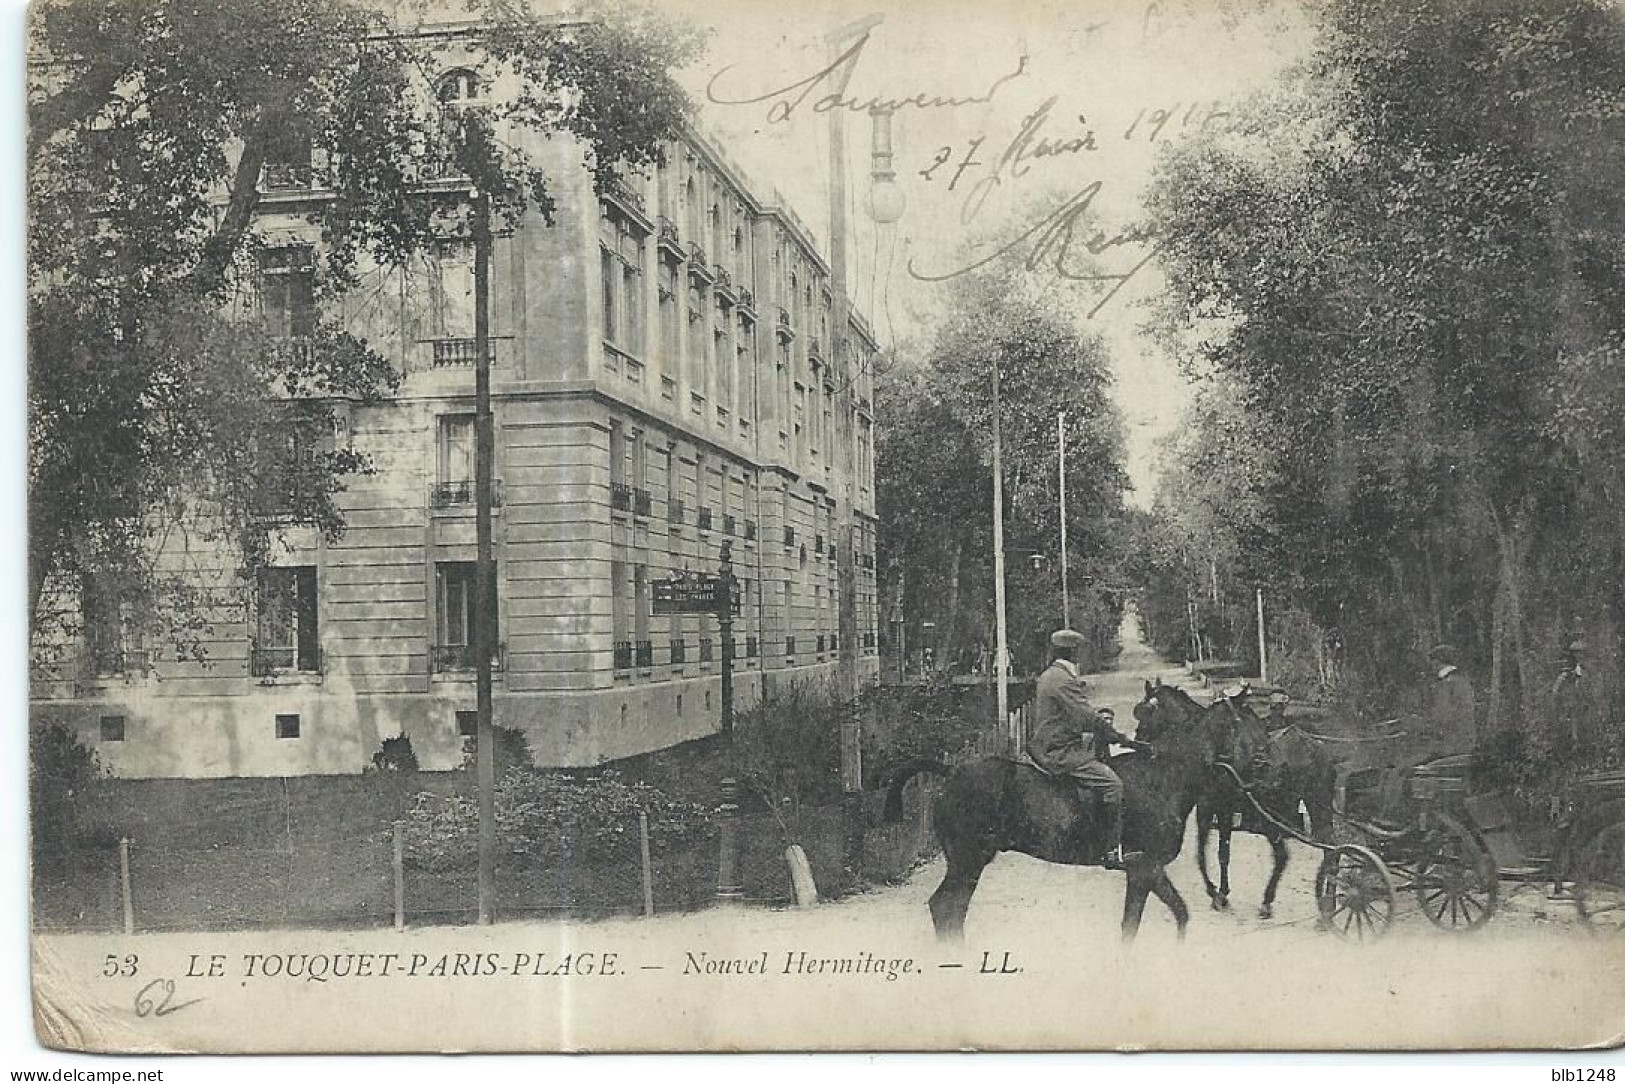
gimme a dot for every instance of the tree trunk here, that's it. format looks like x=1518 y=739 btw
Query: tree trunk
x=950 y=645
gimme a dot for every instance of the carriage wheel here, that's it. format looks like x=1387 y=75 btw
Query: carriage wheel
x=1456 y=882
x=1355 y=892
x=1599 y=880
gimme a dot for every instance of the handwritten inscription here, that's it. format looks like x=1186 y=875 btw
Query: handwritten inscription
x=1052 y=240
x=834 y=80
x=157 y=998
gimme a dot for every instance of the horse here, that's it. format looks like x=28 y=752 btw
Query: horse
x=1000 y=803
x=1283 y=770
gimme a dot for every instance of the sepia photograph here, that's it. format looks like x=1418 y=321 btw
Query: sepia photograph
x=864 y=525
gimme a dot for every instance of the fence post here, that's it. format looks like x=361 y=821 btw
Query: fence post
x=729 y=889
x=398 y=862
x=124 y=884
x=648 y=871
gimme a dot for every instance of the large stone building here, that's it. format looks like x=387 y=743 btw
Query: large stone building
x=663 y=382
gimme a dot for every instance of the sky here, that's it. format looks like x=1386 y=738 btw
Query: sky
x=1121 y=81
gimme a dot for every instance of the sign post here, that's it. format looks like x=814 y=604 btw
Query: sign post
x=694 y=593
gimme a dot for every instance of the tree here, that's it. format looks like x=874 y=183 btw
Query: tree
x=155 y=406
x=1406 y=265
x=935 y=454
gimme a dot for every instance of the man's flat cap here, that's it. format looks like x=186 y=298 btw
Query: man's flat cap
x=1066 y=638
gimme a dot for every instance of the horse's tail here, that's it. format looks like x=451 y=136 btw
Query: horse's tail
x=900 y=776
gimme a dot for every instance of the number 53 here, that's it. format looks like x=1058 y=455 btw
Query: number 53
x=113 y=967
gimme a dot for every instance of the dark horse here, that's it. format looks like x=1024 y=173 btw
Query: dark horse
x=1282 y=770
x=1002 y=804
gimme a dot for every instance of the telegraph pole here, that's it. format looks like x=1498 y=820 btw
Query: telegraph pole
x=846 y=614
x=1001 y=644
x=1066 y=598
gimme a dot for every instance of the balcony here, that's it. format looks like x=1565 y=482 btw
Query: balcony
x=750 y=647
x=819 y=645
x=645 y=654
x=622 y=192
x=750 y=530
x=785 y=331
x=641 y=502
x=868 y=639
x=697 y=264
x=99 y=664
x=286 y=659
x=704 y=519
x=668 y=237
x=679 y=652
x=706 y=652
x=723 y=280
x=674 y=512
x=620 y=496
x=460 y=493
x=454 y=353
x=623 y=654
x=818 y=544
x=727 y=525
x=459 y=658
x=814 y=348
x=295 y=349
x=789 y=646
x=789 y=536
x=834 y=641
x=747 y=300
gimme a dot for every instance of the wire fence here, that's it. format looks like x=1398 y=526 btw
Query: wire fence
x=288 y=854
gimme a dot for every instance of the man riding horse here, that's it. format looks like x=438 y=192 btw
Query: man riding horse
x=1072 y=738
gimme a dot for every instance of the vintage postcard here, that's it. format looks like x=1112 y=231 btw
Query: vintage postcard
x=876 y=526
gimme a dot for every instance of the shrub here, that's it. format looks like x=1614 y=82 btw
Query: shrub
x=788 y=747
x=547 y=817
x=395 y=755
x=61 y=769
x=937 y=720
x=512 y=751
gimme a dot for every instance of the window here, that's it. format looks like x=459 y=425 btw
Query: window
x=112 y=728
x=457 y=610
x=287 y=726
x=609 y=276
x=457 y=90
x=620 y=619
x=104 y=625
x=455 y=458
x=468 y=724
x=287 y=156
x=451 y=290
x=617 y=459
x=287 y=279
x=286 y=634
x=671 y=331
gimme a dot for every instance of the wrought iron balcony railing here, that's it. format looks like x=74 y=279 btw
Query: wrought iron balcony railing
x=283 y=659
x=623 y=654
x=461 y=492
x=645 y=653
x=459 y=658
x=706 y=652
x=641 y=502
x=704 y=521
x=674 y=511
x=727 y=524
x=679 y=652
x=750 y=530
x=620 y=496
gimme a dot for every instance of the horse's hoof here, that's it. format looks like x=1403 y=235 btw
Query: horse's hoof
x=1266 y=911
x=1216 y=903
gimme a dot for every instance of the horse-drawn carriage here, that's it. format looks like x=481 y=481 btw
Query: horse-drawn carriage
x=1458 y=846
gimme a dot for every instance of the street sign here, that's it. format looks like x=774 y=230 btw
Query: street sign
x=690 y=594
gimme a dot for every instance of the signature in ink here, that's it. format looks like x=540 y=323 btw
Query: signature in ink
x=835 y=78
x=165 y=1003
x=1053 y=238
x=1028 y=145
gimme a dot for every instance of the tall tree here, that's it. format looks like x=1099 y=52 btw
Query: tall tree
x=151 y=124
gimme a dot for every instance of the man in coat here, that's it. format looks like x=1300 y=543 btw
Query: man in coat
x=1449 y=728
x=1570 y=705
x=1070 y=738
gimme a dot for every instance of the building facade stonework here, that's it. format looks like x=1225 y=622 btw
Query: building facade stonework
x=665 y=379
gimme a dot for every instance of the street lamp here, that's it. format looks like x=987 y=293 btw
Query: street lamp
x=886 y=200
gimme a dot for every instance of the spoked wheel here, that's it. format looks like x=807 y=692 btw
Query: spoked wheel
x=1456 y=881
x=1356 y=893
x=1599 y=880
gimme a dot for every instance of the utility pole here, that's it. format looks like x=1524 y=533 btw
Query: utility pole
x=1066 y=598
x=1263 y=661
x=1001 y=645
x=485 y=596
x=846 y=616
